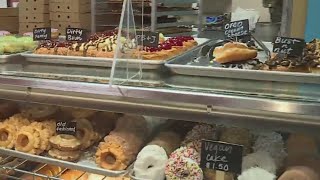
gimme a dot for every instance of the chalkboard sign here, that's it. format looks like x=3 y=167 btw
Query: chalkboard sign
x=289 y=46
x=40 y=34
x=221 y=156
x=66 y=128
x=75 y=34
x=236 y=29
x=148 y=38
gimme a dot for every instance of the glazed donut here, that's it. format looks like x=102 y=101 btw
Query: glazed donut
x=7 y=135
x=28 y=140
x=65 y=142
x=181 y=168
x=259 y=159
x=256 y=173
x=85 y=133
x=39 y=112
x=71 y=156
x=150 y=163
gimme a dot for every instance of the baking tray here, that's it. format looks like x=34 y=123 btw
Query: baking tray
x=179 y=65
x=99 y=62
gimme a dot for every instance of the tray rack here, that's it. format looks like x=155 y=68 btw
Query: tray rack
x=43 y=160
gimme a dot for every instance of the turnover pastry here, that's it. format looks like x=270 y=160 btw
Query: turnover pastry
x=233 y=52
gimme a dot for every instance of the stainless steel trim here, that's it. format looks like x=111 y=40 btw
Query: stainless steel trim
x=149 y=101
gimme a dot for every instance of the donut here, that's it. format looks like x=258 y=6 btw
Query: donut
x=65 y=142
x=100 y=177
x=273 y=144
x=259 y=159
x=45 y=134
x=39 y=112
x=7 y=135
x=74 y=174
x=199 y=132
x=85 y=133
x=150 y=163
x=71 y=156
x=257 y=173
x=111 y=155
x=299 y=173
x=297 y=141
x=181 y=168
x=28 y=140
x=237 y=136
x=168 y=140
x=7 y=109
x=187 y=153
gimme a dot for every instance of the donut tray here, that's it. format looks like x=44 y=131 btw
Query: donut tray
x=99 y=62
x=85 y=164
x=183 y=65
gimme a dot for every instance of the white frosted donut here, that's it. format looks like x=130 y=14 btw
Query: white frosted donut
x=256 y=173
x=150 y=163
x=181 y=168
x=259 y=159
x=273 y=144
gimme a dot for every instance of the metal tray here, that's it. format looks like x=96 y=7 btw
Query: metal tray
x=180 y=65
x=10 y=57
x=98 y=62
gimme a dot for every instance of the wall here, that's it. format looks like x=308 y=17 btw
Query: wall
x=253 y=4
x=313 y=22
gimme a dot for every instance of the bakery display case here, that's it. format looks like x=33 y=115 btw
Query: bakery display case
x=115 y=105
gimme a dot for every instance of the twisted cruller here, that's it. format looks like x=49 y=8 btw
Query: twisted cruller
x=9 y=129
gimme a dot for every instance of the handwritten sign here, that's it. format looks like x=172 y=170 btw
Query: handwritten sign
x=75 y=34
x=236 y=29
x=148 y=38
x=66 y=128
x=40 y=34
x=289 y=46
x=221 y=156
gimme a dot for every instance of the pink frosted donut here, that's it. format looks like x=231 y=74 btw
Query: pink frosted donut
x=4 y=33
x=181 y=168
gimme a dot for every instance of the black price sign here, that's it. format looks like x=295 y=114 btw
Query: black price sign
x=148 y=38
x=41 y=34
x=289 y=46
x=75 y=34
x=66 y=128
x=221 y=156
x=236 y=29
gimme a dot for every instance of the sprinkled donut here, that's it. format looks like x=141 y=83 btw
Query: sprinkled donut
x=181 y=168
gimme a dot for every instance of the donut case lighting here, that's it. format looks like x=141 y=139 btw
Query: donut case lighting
x=118 y=106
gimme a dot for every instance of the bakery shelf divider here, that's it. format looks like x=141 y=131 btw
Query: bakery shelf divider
x=84 y=166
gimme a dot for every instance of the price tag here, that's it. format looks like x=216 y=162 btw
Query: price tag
x=41 y=34
x=148 y=38
x=63 y=127
x=236 y=29
x=75 y=34
x=221 y=156
x=289 y=46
